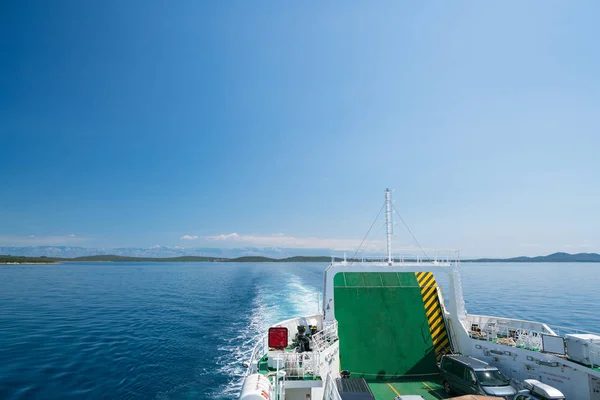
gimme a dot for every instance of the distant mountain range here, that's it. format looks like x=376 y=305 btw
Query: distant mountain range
x=161 y=252
x=554 y=257
x=166 y=253
x=6 y=259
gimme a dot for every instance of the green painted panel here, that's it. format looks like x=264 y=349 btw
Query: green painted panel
x=354 y=279
x=408 y=279
x=372 y=279
x=383 y=331
x=390 y=279
x=339 y=280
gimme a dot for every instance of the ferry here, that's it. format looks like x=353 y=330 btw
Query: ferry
x=385 y=325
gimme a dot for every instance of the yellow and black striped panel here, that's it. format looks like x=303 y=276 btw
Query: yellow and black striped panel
x=433 y=310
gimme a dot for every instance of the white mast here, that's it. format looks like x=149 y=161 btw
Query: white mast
x=388 y=224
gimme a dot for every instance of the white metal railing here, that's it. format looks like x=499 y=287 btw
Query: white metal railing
x=519 y=333
x=331 y=391
x=565 y=330
x=411 y=255
x=296 y=365
x=593 y=349
x=456 y=290
x=325 y=337
x=299 y=365
x=260 y=349
x=509 y=332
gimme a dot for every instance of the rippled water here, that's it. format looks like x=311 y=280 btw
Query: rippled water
x=181 y=330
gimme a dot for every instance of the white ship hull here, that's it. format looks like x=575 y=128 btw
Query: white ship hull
x=384 y=326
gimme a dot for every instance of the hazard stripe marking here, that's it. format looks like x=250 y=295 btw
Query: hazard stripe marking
x=433 y=311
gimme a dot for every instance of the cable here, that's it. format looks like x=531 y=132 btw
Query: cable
x=371 y=227
x=409 y=231
x=375 y=234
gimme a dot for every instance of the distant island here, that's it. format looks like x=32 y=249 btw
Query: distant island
x=26 y=260
x=8 y=259
x=554 y=257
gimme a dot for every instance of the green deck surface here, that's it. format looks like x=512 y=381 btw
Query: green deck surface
x=382 y=326
x=429 y=389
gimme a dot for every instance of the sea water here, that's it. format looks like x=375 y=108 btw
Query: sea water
x=182 y=330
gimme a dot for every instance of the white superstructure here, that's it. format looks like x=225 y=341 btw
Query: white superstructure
x=299 y=364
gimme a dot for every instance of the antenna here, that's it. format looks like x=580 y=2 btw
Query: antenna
x=388 y=224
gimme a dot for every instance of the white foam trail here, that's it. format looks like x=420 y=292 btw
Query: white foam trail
x=274 y=302
x=238 y=349
x=302 y=299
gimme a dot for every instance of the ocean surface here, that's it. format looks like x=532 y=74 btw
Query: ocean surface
x=182 y=330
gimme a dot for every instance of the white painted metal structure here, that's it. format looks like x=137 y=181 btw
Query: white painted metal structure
x=388 y=224
x=515 y=346
x=401 y=264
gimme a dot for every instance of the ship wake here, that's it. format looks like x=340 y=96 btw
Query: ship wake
x=274 y=301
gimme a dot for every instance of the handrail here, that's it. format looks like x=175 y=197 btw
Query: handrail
x=517 y=333
x=549 y=329
x=324 y=338
x=292 y=360
x=259 y=350
x=571 y=330
x=410 y=255
x=331 y=391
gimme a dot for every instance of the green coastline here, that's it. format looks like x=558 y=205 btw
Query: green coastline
x=8 y=259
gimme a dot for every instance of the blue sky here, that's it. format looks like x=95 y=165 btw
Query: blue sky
x=137 y=123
